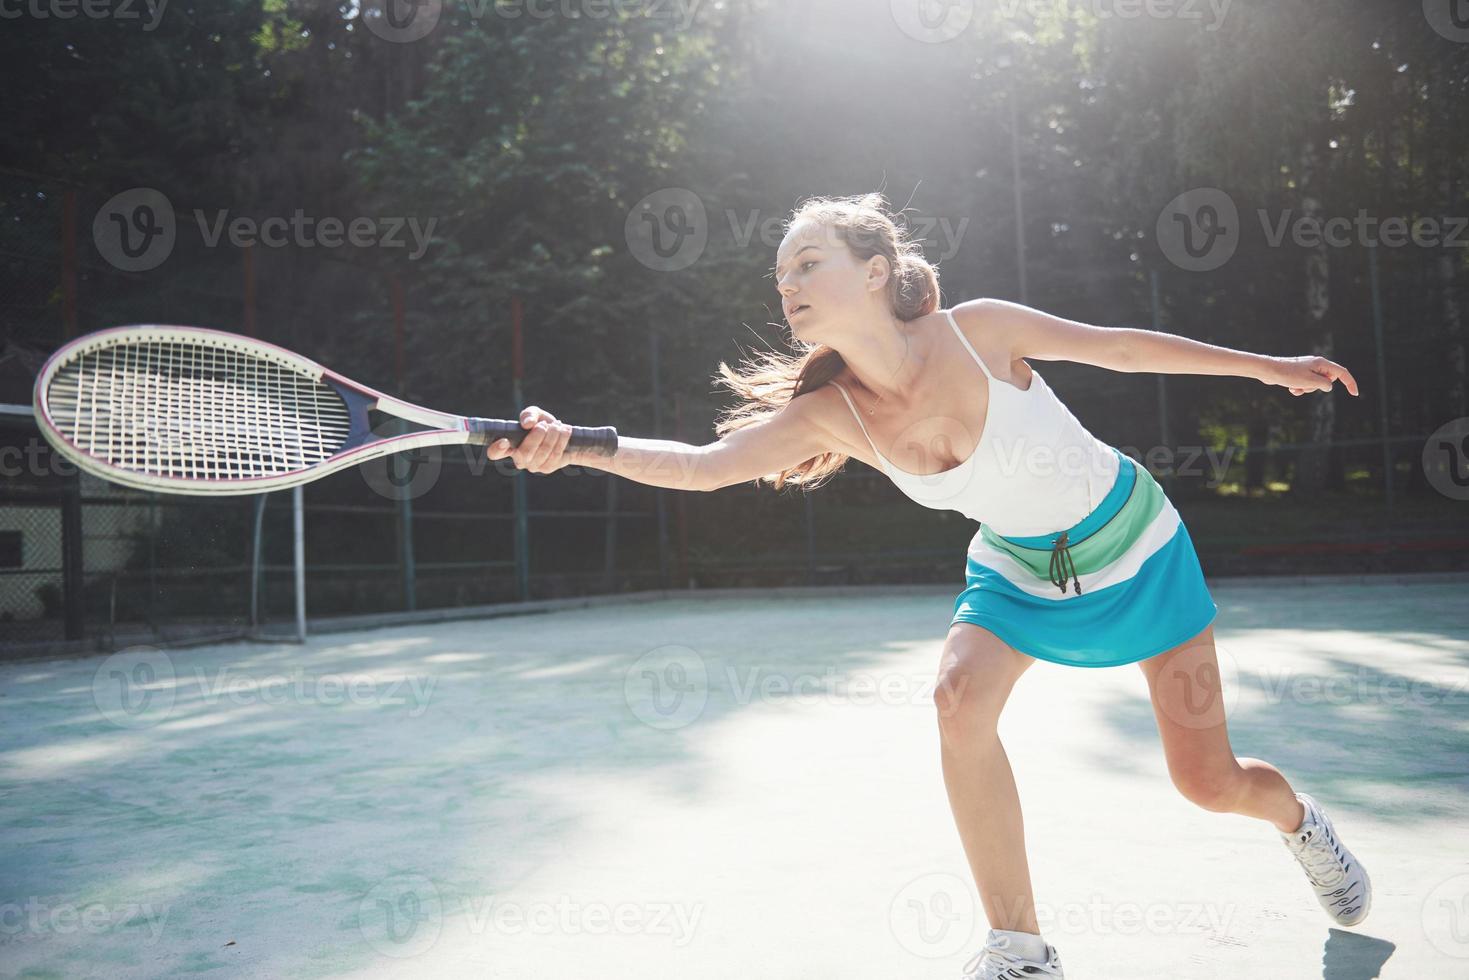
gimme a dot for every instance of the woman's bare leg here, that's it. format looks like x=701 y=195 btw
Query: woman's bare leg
x=1188 y=702
x=976 y=673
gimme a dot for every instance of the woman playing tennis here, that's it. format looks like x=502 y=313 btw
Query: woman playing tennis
x=1080 y=558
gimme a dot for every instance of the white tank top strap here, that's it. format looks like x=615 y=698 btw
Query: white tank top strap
x=967 y=345
x=858 y=416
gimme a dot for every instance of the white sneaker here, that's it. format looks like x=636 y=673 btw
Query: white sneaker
x=997 y=962
x=1341 y=883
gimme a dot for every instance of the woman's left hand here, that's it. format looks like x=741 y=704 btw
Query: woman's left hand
x=1310 y=372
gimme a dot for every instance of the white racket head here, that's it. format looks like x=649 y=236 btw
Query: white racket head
x=196 y=411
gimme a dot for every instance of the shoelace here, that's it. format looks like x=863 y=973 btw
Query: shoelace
x=1320 y=860
x=1060 y=558
x=994 y=961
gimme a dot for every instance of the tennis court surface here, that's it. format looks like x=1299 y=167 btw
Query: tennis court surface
x=724 y=787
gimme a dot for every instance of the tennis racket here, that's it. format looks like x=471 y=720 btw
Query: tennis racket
x=195 y=411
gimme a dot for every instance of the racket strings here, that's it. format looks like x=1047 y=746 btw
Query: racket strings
x=193 y=410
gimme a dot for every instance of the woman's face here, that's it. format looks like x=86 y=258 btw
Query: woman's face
x=821 y=283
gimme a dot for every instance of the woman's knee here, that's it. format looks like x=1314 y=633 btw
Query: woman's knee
x=1215 y=788
x=976 y=673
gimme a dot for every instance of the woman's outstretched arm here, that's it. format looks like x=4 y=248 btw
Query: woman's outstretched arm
x=1032 y=333
x=788 y=438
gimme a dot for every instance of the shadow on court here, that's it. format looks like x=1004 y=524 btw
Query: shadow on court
x=1359 y=694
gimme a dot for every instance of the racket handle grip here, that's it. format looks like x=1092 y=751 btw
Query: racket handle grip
x=595 y=441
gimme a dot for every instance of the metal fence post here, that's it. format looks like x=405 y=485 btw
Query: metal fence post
x=405 y=549
x=1387 y=461
x=256 y=559
x=1162 y=384
x=810 y=537
x=660 y=494
x=299 y=522
x=72 y=577
x=609 y=567
x=520 y=502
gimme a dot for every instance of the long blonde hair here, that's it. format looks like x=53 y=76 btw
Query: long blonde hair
x=769 y=381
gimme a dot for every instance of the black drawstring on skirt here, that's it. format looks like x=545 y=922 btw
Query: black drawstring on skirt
x=1060 y=558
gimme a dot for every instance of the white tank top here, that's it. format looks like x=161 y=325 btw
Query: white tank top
x=1035 y=470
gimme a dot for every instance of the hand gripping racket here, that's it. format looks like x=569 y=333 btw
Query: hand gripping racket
x=194 y=411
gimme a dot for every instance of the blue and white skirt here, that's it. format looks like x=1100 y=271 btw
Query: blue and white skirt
x=1121 y=585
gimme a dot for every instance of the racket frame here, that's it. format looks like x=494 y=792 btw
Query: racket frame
x=446 y=429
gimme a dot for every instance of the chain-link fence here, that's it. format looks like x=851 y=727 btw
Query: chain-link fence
x=84 y=561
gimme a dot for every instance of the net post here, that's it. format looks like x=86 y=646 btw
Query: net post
x=659 y=494
x=405 y=501
x=609 y=547
x=680 y=503
x=299 y=532
x=810 y=509
x=255 y=559
x=521 y=504
x=72 y=579
x=1382 y=417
